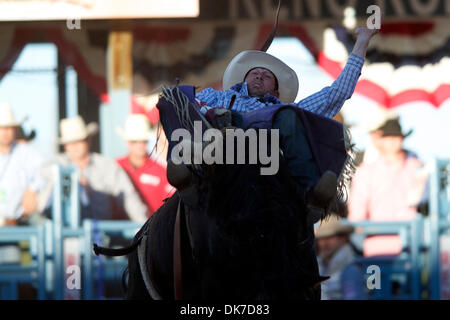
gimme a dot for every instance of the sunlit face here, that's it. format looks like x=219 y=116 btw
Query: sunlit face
x=261 y=81
x=390 y=144
x=329 y=245
x=137 y=149
x=7 y=135
x=375 y=136
x=77 y=150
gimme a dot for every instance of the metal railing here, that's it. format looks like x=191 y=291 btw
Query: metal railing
x=47 y=271
x=421 y=252
x=17 y=272
x=439 y=223
x=99 y=270
x=402 y=270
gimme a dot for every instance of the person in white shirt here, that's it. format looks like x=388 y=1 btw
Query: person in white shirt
x=20 y=180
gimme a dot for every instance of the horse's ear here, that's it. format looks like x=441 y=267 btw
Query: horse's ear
x=269 y=39
x=319 y=281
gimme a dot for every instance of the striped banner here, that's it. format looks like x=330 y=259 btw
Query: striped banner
x=409 y=60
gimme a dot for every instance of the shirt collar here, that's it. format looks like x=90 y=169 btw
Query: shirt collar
x=242 y=89
x=148 y=162
x=68 y=162
x=11 y=149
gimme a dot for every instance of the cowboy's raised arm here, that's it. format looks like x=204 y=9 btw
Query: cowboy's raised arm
x=328 y=101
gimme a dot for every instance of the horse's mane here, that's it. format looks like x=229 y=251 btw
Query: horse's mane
x=338 y=206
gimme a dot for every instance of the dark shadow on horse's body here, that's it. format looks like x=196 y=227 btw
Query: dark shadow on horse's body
x=249 y=240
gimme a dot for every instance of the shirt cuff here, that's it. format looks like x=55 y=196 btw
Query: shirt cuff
x=355 y=61
x=19 y=212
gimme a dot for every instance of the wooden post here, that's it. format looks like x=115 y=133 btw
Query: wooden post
x=120 y=64
x=120 y=82
x=62 y=98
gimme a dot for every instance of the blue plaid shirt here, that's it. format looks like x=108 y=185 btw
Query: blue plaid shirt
x=327 y=102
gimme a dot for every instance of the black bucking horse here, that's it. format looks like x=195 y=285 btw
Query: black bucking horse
x=246 y=236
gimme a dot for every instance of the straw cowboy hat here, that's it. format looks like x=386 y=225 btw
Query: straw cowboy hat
x=7 y=116
x=392 y=128
x=378 y=118
x=333 y=226
x=75 y=129
x=137 y=128
x=246 y=60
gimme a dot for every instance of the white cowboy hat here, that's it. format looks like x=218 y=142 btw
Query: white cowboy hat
x=137 y=128
x=75 y=129
x=246 y=60
x=7 y=116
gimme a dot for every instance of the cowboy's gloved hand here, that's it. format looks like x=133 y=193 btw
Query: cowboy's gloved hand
x=219 y=117
x=365 y=33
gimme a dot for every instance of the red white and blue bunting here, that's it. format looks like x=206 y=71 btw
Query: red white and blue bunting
x=408 y=61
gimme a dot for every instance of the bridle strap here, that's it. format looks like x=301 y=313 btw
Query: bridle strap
x=146 y=270
x=269 y=39
x=177 y=267
x=146 y=276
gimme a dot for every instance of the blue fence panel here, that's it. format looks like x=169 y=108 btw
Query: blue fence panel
x=66 y=223
x=33 y=273
x=439 y=214
x=99 y=272
x=400 y=275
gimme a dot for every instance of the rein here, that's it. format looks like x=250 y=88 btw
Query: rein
x=141 y=245
x=177 y=265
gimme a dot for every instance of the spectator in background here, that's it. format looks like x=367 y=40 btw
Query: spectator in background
x=336 y=259
x=106 y=191
x=19 y=174
x=375 y=121
x=388 y=188
x=148 y=176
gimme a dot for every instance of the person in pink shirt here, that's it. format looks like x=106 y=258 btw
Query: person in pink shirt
x=388 y=188
x=146 y=173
